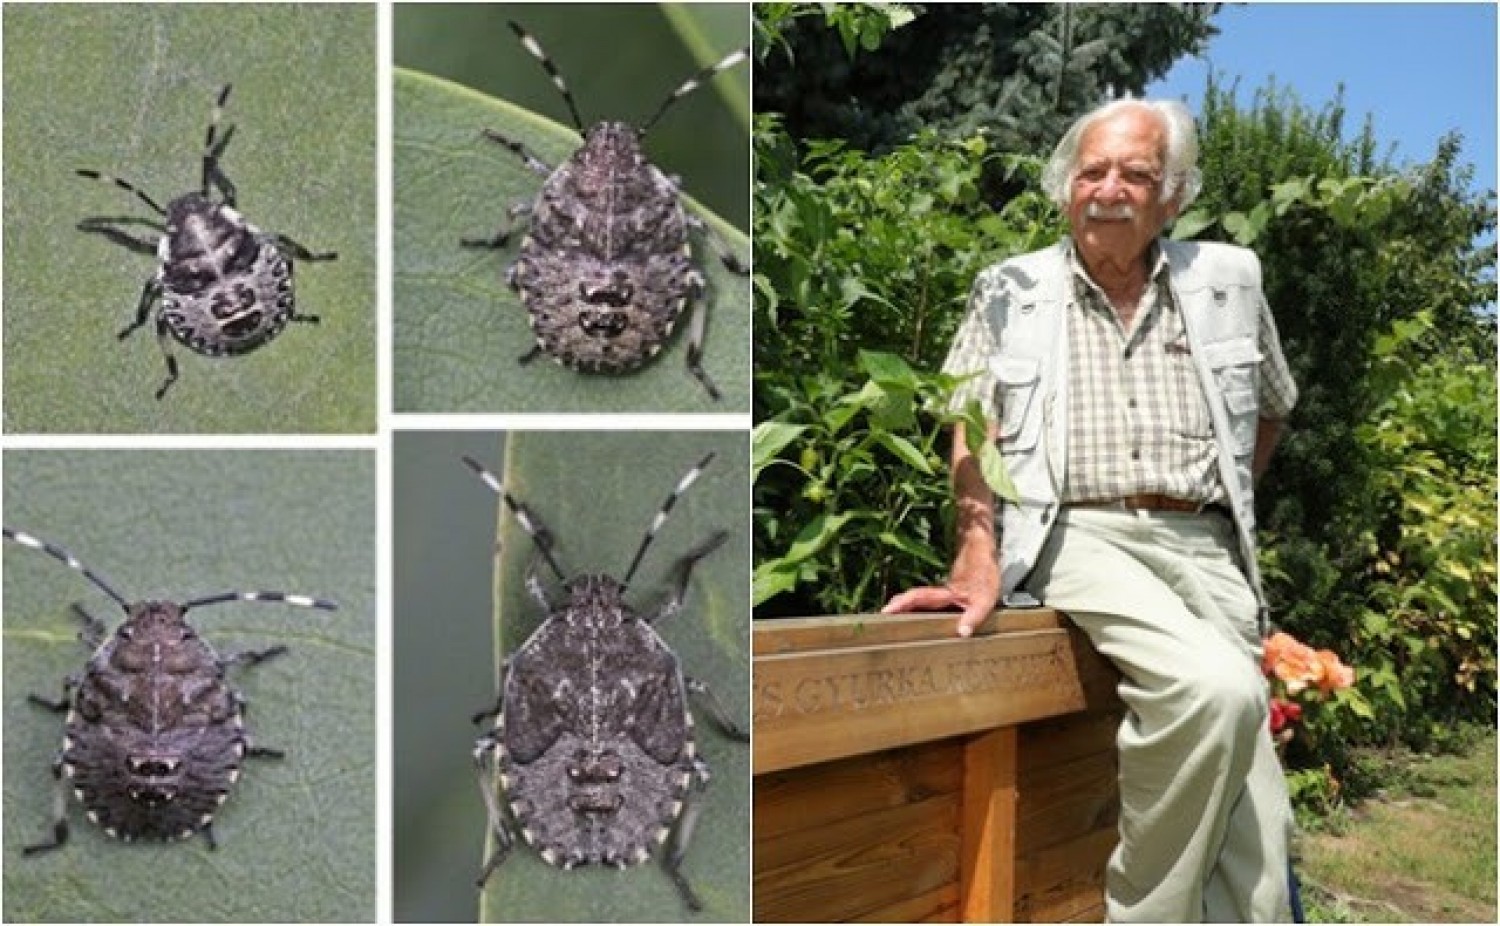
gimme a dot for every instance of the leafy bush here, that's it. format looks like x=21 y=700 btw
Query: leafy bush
x=862 y=269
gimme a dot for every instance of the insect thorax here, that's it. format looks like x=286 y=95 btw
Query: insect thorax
x=153 y=742
x=226 y=288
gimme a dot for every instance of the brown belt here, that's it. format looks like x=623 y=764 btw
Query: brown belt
x=1146 y=501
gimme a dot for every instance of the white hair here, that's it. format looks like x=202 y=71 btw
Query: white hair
x=1180 y=175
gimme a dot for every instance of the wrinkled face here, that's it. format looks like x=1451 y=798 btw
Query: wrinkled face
x=1115 y=206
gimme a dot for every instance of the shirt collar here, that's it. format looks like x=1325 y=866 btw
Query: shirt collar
x=1157 y=257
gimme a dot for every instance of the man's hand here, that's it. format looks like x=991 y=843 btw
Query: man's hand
x=973 y=588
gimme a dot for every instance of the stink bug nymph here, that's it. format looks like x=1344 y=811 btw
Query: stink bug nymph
x=606 y=268
x=592 y=758
x=225 y=286
x=155 y=736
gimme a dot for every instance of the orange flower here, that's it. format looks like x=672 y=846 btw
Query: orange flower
x=1335 y=674
x=1292 y=661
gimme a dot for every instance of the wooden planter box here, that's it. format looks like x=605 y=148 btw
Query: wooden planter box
x=903 y=774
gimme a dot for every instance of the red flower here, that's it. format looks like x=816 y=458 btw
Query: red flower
x=1284 y=714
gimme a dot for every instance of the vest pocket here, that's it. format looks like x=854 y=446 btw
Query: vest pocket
x=1236 y=364
x=1016 y=381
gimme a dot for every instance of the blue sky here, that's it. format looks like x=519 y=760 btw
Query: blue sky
x=1421 y=69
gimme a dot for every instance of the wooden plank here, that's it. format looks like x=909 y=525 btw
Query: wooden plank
x=817 y=795
x=989 y=828
x=828 y=704
x=937 y=906
x=1062 y=739
x=801 y=634
x=838 y=872
x=1049 y=877
x=1072 y=799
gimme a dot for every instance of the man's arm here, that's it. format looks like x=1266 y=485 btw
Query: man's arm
x=974 y=583
x=1267 y=434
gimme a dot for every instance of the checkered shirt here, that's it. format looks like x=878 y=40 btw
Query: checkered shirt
x=1138 y=421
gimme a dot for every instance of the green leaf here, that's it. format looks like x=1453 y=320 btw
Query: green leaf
x=992 y=467
x=458 y=329
x=905 y=450
x=297 y=839
x=888 y=369
x=772 y=578
x=597 y=514
x=302 y=158
x=769 y=439
x=1191 y=224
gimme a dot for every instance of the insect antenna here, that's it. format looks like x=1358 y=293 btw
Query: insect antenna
x=530 y=43
x=522 y=513
x=694 y=82
x=69 y=560
x=124 y=185
x=661 y=516
x=213 y=143
x=301 y=601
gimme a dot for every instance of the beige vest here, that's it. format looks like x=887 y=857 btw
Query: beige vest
x=1217 y=289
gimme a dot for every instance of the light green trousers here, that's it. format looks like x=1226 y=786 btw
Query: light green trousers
x=1204 y=814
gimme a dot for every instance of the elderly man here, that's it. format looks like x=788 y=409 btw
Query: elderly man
x=1136 y=387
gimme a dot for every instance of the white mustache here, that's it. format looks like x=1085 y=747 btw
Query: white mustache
x=1097 y=211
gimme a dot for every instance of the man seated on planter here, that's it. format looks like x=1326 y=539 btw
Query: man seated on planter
x=1136 y=386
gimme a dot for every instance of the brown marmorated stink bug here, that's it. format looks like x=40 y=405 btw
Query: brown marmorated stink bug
x=155 y=736
x=591 y=757
x=606 y=268
x=225 y=286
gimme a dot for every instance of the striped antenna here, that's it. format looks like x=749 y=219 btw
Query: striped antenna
x=523 y=515
x=301 y=601
x=694 y=82
x=125 y=185
x=529 y=42
x=69 y=560
x=213 y=145
x=661 y=516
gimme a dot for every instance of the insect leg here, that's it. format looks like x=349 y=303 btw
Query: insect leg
x=490 y=713
x=208 y=835
x=61 y=704
x=502 y=237
x=93 y=630
x=696 y=331
x=485 y=769
x=59 y=813
x=681 y=572
x=682 y=834
x=719 y=245
x=106 y=226
x=251 y=657
x=533 y=163
x=166 y=353
x=299 y=251
x=715 y=709
x=149 y=294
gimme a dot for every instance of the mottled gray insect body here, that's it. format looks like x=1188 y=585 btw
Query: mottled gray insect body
x=606 y=268
x=225 y=286
x=155 y=737
x=226 y=289
x=592 y=759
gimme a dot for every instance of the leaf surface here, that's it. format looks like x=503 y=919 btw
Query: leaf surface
x=598 y=512
x=296 y=836
x=131 y=97
x=459 y=330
